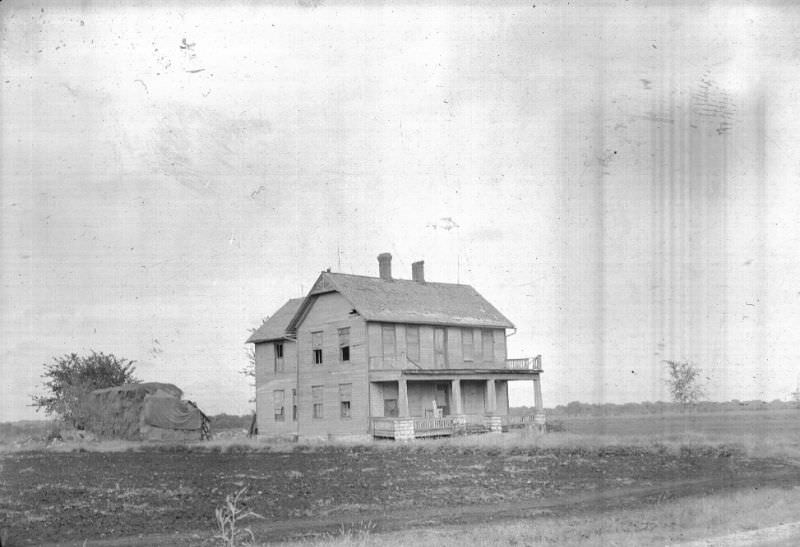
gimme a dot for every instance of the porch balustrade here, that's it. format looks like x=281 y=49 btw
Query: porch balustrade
x=418 y=427
x=525 y=363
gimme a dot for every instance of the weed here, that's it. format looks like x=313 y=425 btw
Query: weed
x=229 y=517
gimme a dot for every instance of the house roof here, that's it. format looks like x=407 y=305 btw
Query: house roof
x=405 y=301
x=274 y=328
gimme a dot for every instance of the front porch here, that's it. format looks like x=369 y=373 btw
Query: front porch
x=417 y=403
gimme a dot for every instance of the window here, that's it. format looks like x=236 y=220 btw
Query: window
x=412 y=342
x=316 y=344
x=487 y=344
x=316 y=399
x=277 y=404
x=390 y=408
x=440 y=347
x=344 y=344
x=278 y=357
x=387 y=336
x=467 y=345
x=345 y=395
x=294 y=405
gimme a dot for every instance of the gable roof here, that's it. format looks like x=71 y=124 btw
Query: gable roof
x=405 y=301
x=275 y=327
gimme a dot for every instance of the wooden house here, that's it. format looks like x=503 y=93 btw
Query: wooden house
x=386 y=357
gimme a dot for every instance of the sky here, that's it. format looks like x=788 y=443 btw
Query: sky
x=620 y=181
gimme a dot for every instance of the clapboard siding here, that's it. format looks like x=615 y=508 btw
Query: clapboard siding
x=328 y=313
x=267 y=380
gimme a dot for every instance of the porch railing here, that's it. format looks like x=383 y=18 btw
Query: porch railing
x=525 y=363
x=429 y=427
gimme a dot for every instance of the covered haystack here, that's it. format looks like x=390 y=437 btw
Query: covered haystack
x=149 y=411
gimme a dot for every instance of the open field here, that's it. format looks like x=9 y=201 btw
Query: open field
x=593 y=472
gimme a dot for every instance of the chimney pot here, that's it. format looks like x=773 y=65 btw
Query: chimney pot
x=385 y=266
x=418 y=271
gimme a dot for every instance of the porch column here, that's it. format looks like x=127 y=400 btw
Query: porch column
x=538 y=417
x=455 y=390
x=402 y=398
x=491 y=397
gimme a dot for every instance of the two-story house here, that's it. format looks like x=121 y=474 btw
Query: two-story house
x=387 y=357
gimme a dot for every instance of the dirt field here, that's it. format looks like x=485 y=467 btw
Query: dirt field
x=69 y=497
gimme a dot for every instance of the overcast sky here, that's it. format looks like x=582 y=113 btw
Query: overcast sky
x=620 y=181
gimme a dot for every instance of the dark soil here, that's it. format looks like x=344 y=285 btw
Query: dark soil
x=164 y=496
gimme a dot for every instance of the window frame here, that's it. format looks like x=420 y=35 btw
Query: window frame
x=345 y=398
x=279 y=416
x=278 y=353
x=344 y=344
x=387 y=328
x=413 y=357
x=317 y=342
x=467 y=333
x=318 y=402
x=487 y=334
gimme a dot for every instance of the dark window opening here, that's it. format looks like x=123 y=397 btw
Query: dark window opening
x=316 y=344
x=345 y=395
x=344 y=344
x=294 y=405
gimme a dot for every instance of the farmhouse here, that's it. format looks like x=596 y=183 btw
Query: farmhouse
x=387 y=357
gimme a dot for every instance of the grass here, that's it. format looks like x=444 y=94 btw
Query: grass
x=665 y=523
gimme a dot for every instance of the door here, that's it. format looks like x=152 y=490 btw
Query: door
x=443 y=398
x=440 y=347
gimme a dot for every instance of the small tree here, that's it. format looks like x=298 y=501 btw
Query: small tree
x=684 y=382
x=71 y=377
x=250 y=369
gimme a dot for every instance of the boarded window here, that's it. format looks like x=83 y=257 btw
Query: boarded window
x=278 y=357
x=439 y=347
x=412 y=343
x=345 y=396
x=278 y=404
x=387 y=337
x=317 y=401
x=467 y=345
x=487 y=345
x=294 y=405
x=344 y=344
x=316 y=345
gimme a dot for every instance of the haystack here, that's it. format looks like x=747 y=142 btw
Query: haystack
x=149 y=411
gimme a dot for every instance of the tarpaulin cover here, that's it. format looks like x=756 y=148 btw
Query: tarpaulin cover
x=171 y=413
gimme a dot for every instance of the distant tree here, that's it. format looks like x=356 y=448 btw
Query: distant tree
x=71 y=377
x=684 y=382
x=249 y=369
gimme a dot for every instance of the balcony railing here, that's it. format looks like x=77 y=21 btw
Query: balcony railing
x=526 y=363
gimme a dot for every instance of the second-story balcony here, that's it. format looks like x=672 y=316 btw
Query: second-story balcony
x=525 y=363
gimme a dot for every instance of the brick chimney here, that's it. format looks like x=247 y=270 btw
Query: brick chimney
x=385 y=266
x=418 y=271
